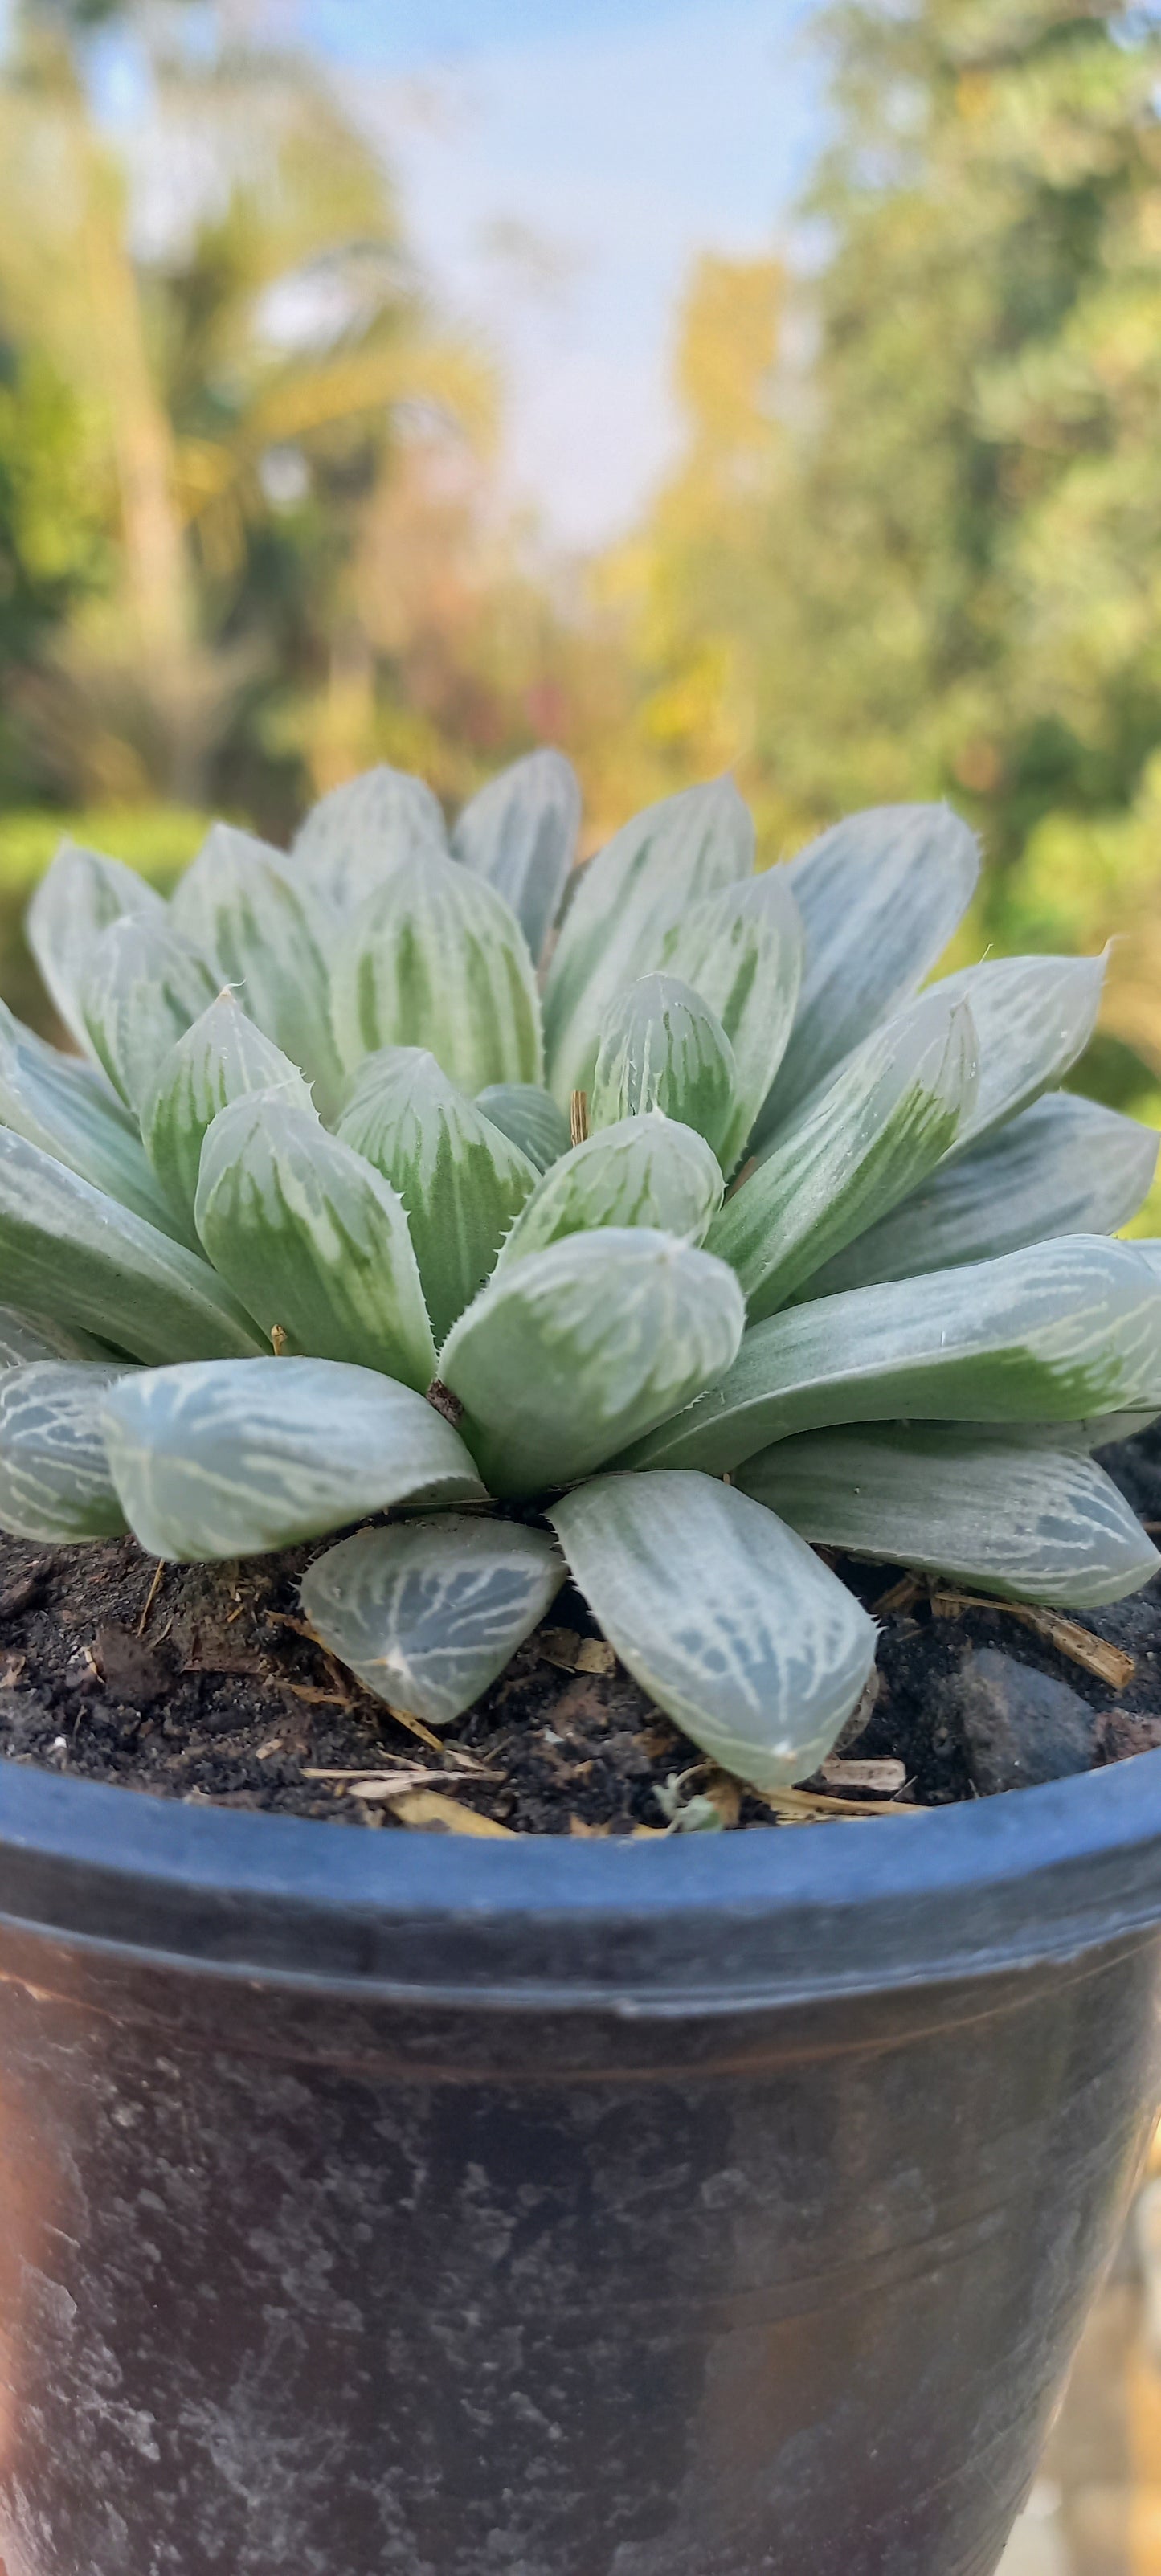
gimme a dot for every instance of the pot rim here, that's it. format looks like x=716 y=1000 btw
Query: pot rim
x=727 y=1920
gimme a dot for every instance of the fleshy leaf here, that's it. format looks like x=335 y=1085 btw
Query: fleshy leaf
x=562 y=1353
x=461 y=1181
x=429 y=1612
x=24 y=1338
x=851 y=1152
x=880 y=896
x=62 y=1105
x=529 y=1117
x=1051 y=1334
x=1029 y=1523
x=724 y=1616
x=644 y=1171
x=627 y=900
x=231 y=1460
x=312 y=1240
x=78 y=898
x=520 y=833
x=144 y=986
x=1064 y=1166
x=241 y=908
x=355 y=836
x=220 y=1058
x=54 y=1475
x=436 y=959
x=1034 y=1016
x=742 y=950
x=663 y=1048
x=69 y=1252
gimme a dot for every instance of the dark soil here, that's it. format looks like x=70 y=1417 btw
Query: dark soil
x=200 y=1682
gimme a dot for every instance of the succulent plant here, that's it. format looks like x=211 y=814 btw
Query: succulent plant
x=659 y=1247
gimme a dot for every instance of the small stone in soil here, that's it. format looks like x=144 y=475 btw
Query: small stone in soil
x=1020 y=1727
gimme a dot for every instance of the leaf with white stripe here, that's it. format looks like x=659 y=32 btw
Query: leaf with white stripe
x=1030 y=1523
x=69 y=1252
x=628 y=899
x=35 y=1337
x=460 y=1180
x=854 y=1150
x=144 y=987
x=529 y=1118
x=724 y=1616
x=428 y=1613
x=354 y=837
x=62 y=1105
x=880 y=896
x=645 y=1171
x=312 y=1240
x=436 y=959
x=568 y=1354
x=55 y=1483
x=78 y=898
x=1064 y=1166
x=742 y=950
x=1034 y=1016
x=1055 y=1333
x=248 y=1455
x=663 y=1048
x=220 y=1058
x=520 y=833
x=240 y=907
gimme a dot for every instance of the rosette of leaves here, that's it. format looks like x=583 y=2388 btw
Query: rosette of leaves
x=655 y=1223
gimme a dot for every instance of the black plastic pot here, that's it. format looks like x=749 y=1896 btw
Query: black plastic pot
x=378 y=2202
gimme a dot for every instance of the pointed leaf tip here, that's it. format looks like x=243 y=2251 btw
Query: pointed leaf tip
x=428 y=1613
x=520 y=833
x=435 y=959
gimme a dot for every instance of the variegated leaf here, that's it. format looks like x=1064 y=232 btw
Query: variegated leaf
x=353 y=838
x=461 y=1181
x=62 y=1105
x=1051 y=1334
x=144 y=986
x=742 y=950
x=240 y=907
x=644 y=1171
x=436 y=959
x=529 y=1118
x=35 y=1337
x=1034 y=1016
x=234 y=1459
x=69 y=1252
x=78 y=898
x=1064 y=1166
x=55 y=1483
x=1028 y=1522
x=724 y=1616
x=220 y=1058
x=568 y=1354
x=627 y=900
x=851 y=1152
x=312 y=1240
x=429 y=1612
x=663 y=1048
x=1149 y=1245
x=880 y=896
x=520 y=833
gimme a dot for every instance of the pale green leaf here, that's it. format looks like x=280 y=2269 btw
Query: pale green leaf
x=880 y=896
x=742 y=950
x=663 y=1048
x=724 y=1617
x=62 y=1105
x=36 y=1337
x=855 y=1149
x=240 y=907
x=144 y=986
x=520 y=833
x=312 y=1240
x=55 y=1483
x=1064 y=1166
x=220 y=1058
x=566 y=1355
x=461 y=1181
x=354 y=837
x=78 y=898
x=1055 y=1333
x=644 y=1171
x=235 y=1459
x=1034 y=1016
x=69 y=1252
x=428 y=1613
x=436 y=960
x=1031 y=1523
x=529 y=1117
x=628 y=899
